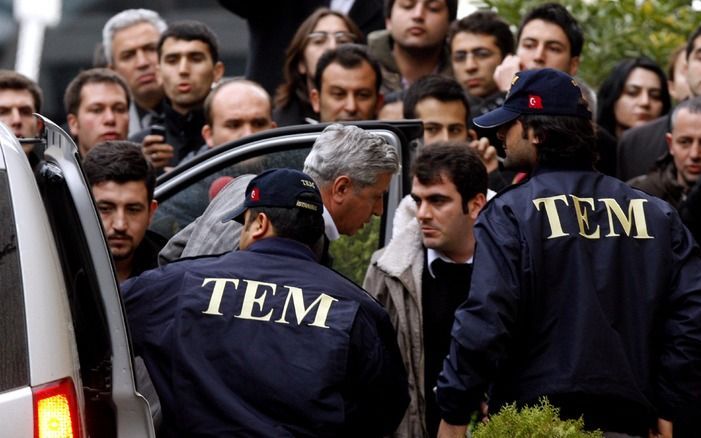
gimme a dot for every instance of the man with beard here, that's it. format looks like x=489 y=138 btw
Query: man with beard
x=572 y=266
x=122 y=183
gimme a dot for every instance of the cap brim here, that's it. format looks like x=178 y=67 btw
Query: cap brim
x=495 y=118
x=236 y=215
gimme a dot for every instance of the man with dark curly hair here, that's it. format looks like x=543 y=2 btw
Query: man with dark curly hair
x=586 y=291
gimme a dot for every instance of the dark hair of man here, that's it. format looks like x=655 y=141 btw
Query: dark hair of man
x=614 y=85
x=557 y=14
x=71 y=99
x=119 y=161
x=191 y=30
x=297 y=224
x=441 y=88
x=485 y=23
x=11 y=80
x=348 y=56
x=564 y=141
x=455 y=161
x=451 y=4
x=295 y=83
x=220 y=85
x=690 y=42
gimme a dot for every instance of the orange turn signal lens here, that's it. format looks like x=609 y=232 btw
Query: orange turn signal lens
x=56 y=411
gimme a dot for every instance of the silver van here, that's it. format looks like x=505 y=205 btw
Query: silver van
x=65 y=361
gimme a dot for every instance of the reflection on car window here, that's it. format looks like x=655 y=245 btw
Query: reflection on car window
x=13 y=342
x=179 y=210
x=351 y=254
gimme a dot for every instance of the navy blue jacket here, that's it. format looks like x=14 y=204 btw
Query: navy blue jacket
x=266 y=342
x=582 y=286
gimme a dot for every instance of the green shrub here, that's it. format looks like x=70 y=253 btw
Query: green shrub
x=617 y=29
x=351 y=255
x=539 y=421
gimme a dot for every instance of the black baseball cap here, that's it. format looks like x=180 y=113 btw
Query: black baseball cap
x=544 y=91
x=287 y=188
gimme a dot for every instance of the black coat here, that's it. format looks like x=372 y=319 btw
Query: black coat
x=266 y=342
x=584 y=290
x=639 y=148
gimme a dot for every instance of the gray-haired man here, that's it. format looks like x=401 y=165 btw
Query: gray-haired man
x=352 y=168
x=130 y=40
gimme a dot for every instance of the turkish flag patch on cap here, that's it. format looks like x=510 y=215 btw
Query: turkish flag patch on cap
x=255 y=194
x=535 y=101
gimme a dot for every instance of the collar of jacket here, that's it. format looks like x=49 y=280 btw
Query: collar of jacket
x=380 y=43
x=284 y=247
x=401 y=252
x=194 y=117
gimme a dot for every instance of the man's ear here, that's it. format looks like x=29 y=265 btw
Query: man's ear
x=340 y=188
x=261 y=226
x=218 y=71
x=152 y=210
x=475 y=205
x=72 y=124
x=207 y=135
x=669 y=140
x=380 y=103
x=574 y=66
x=314 y=99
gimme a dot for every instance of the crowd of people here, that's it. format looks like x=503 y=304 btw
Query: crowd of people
x=575 y=281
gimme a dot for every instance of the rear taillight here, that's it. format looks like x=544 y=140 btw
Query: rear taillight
x=56 y=410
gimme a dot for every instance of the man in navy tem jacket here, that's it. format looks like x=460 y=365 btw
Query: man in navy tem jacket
x=265 y=341
x=585 y=290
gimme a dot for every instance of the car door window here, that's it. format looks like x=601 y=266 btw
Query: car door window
x=112 y=406
x=191 y=199
x=184 y=196
x=14 y=372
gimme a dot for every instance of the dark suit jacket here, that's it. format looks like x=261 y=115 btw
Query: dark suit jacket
x=640 y=147
x=272 y=23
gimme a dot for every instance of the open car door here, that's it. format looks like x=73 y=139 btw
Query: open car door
x=67 y=331
x=183 y=193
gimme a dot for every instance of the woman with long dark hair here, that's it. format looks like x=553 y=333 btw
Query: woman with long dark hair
x=634 y=93
x=323 y=30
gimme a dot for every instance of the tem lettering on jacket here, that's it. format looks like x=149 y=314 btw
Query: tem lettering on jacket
x=254 y=306
x=628 y=220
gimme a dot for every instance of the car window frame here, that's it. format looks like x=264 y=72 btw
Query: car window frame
x=132 y=414
x=404 y=135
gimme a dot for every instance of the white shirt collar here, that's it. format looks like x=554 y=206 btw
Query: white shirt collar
x=329 y=226
x=432 y=255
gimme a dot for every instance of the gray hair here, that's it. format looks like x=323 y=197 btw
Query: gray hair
x=692 y=105
x=351 y=151
x=128 y=18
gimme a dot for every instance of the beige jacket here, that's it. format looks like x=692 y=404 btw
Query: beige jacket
x=394 y=278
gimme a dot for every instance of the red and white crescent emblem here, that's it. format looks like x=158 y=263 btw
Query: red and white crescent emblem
x=535 y=102
x=255 y=194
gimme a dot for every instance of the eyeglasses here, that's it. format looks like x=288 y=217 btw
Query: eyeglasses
x=478 y=54
x=321 y=37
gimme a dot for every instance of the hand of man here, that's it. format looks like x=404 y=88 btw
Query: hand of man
x=487 y=153
x=157 y=151
x=664 y=429
x=504 y=73
x=446 y=430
